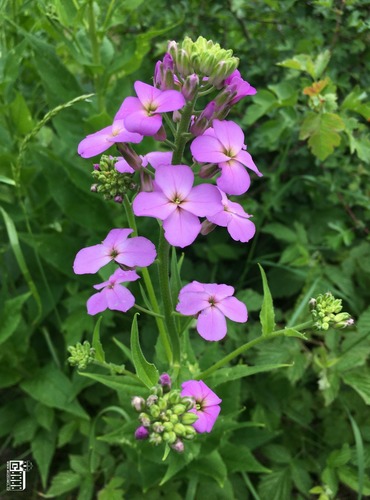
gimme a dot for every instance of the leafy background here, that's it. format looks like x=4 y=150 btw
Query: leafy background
x=298 y=432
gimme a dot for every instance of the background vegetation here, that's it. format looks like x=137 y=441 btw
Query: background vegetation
x=304 y=430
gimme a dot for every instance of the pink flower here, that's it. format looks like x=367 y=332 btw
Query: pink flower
x=95 y=144
x=178 y=204
x=113 y=296
x=142 y=114
x=224 y=145
x=137 y=251
x=211 y=303
x=235 y=219
x=235 y=83
x=157 y=158
x=206 y=404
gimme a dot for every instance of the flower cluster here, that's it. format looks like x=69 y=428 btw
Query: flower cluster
x=326 y=312
x=168 y=416
x=81 y=355
x=189 y=192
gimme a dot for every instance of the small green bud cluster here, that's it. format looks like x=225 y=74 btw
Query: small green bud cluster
x=203 y=57
x=81 y=355
x=326 y=312
x=165 y=418
x=109 y=181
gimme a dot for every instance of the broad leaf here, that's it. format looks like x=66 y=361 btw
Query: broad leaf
x=146 y=372
x=322 y=133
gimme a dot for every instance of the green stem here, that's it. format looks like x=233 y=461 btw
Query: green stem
x=163 y=272
x=249 y=345
x=150 y=289
x=182 y=136
x=116 y=369
x=146 y=311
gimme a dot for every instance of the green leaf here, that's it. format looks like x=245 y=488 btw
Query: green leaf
x=238 y=458
x=321 y=63
x=360 y=382
x=10 y=316
x=354 y=101
x=267 y=314
x=349 y=477
x=21 y=115
x=62 y=483
x=213 y=467
x=322 y=133
x=120 y=383
x=96 y=344
x=300 y=62
x=340 y=457
x=178 y=461
x=52 y=388
x=43 y=447
x=112 y=490
x=280 y=232
x=291 y=332
x=225 y=375
x=146 y=372
x=126 y=351
x=277 y=485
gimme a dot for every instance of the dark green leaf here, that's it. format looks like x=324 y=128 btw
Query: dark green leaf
x=267 y=314
x=146 y=372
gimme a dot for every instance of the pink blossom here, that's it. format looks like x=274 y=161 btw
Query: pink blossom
x=178 y=204
x=235 y=83
x=123 y=167
x=224 y=145
x=211 y=303
x=157 y=158
x=137 y=251
x=142 y=114
x=206 y=406
x=235 y=219
x=112 y=295
x=95 y=144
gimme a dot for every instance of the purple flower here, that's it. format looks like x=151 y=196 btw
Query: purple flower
x=178 y=204
x=122 y=166
x=94 y=144
x=235 y=219
x=142 y=114
x=157 y=158
x=141 y=433
x=137 y=251
x=165 y=381
x=206 y=404
x=235 y=83
x=211 y=302
x=113 y=296
x=224 y=145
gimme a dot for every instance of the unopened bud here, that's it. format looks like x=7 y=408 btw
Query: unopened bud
x=178 y=446
x=141 y=433
x=138 y=403
x=154 y=411
x=189 y=418
x=169 y=437
x=190 y=86
x=151 y=400
x=207 y=227
x=179 y=409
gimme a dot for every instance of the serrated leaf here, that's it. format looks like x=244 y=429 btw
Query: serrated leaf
x=360 y=382
x=321 y=62
x=267 y=314
x=146 y=372
x=340 y=457
x=300 y=62
x=349 y=477
x=322 y=133
x=62 y=483
x=96 y=344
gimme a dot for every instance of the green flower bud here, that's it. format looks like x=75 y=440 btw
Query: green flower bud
x=169 y=437
x=180 y=429
x=162 y=404
x=174 y=418
x=155 y=438
x=168 y=426
x=190 y=432
x=154 y=411
x=179 y=409
x=189 y=418
x=81 y=355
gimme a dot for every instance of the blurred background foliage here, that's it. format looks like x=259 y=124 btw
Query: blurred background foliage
x=304 y=430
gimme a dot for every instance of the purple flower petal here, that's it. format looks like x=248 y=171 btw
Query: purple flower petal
x=211 y=324
x=157 y=158
x=191 y=303
x=246 y=159
x=142 y=123
x=203 y=200
x=146 y=93
x=119 y=298
x=211 y=413
x=95 y=144
x=116 y=237
x=241 y=229
x=219 y=292
x=176 y=181
x=89 y=260
x=181 y=228
x=169 y=100
x=97 y=303
x=208 y=149
x=154 y=204
x=230 y=136
x=137 y=251
x=129 y=105
x=234 y=178
x=233 y=309
x=123 y=167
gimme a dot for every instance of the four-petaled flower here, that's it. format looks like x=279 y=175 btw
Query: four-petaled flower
x=178 y=204
x=112 y=295
x=142 y=114
x=94 y=144
x=211 y=303
x=206 y=404
x=242 y=88
x=224 y=145
x=136 y=251
x=234 y=217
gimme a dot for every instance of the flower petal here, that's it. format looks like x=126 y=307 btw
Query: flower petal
x=146 y=93
x=97 y=303
x=169 y=100
x=143 y=124
x=208 y=149
x=175 y=181
x=181 y=228
x=234 y=178
x=157 y=158
x=203 y=200
x=211 y=413
x=137 y=251
x=211 y=324
x=241 y=228
x=123 y=167
x=129 y=105
x=229 y=134
x=246 y=159
x=90 y=259
x=192 y=302
x=233 y=309
x=119 y=298
x=95 y=144
x=115 y=237
x=154 y=204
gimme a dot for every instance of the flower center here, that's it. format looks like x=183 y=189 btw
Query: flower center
x=113 y=253
x=150 y=108
x=229 y=152
x=176 y=199
x=212 y=301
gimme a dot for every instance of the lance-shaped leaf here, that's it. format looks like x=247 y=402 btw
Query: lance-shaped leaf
x=267 y=314
x=97 y=345
x=321 y=130
x=146 y=372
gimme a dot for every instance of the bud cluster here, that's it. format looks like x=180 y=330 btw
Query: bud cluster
x=326 y=312
x=203 y=57
x=165 y=418
x=81 y=355
x=109 y=181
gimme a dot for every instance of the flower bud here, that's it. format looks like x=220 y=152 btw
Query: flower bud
x=179 y=429
x=144 y=419
x=94 y=188
x=158 y=427
x=190 y=432
x=174 y=418
x=207 y=227
x=179 y=409
x=168 y=426
x=138 y=403
x=178 y=446
x=169 y=437
x=154 y=411
x=189 y=418
x=141 y=433
x=155 y=439
x=118 y=198
x=190 y=86
x=151 y=400
x=165 y=381
x=208 y=170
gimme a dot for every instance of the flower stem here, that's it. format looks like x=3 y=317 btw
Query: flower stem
x=249 y=345
x=163 y=272
x=150 y=289
x=182 y=135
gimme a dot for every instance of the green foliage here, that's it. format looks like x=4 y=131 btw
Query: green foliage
x=303 y=429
